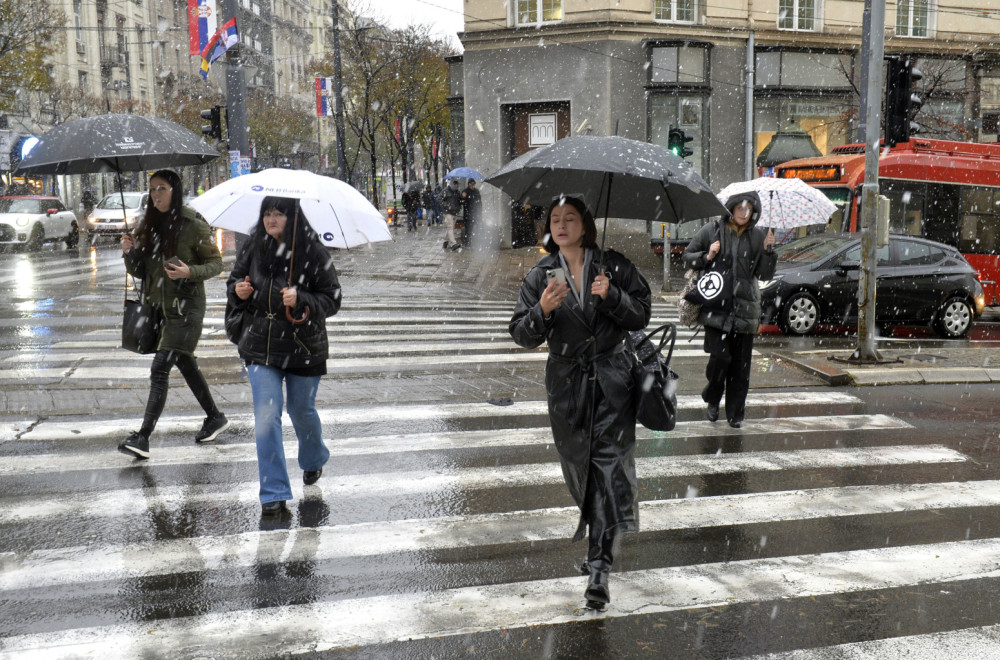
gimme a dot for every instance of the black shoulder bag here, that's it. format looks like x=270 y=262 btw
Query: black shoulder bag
x=655 y=383
x=141 y=323
x=713 y=290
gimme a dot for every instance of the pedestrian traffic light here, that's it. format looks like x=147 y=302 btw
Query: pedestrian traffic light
x=214 y=115
x=901 y=104
x=677 y=141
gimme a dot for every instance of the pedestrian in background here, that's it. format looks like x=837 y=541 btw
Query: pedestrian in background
x=411 y=204
x=451 y=203
x=276 y=349
x=427 y=199
x=582 y=303
x=437 y=204
x=472 y=204
x=173 y=255
x=729 y=334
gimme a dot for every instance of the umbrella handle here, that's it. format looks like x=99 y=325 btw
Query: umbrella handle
x=292 y=319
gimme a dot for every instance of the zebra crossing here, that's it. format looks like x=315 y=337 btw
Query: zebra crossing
x=441 y=527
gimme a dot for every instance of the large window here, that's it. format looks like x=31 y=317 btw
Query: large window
x=798 y=14
x=912 y=18
x=535 y=12
x=677 y=64
x=675 y=11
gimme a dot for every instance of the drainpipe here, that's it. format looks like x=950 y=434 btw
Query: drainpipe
x=748 y=159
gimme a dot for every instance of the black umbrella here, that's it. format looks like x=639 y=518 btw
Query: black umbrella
x=648 y=181
x=115 y=143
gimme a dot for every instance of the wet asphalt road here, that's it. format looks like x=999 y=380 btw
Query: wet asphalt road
x=836 y=516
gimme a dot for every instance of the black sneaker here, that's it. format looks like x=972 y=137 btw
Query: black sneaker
x=309 y=477
x=212 y=427
x=136 y=446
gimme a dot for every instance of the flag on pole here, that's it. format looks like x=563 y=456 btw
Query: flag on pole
x=225 y=38
x=324 y=97
x=202 y=23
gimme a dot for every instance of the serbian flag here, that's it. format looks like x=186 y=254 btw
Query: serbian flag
x=224 y=39
x=324 y=97
x=202 y=23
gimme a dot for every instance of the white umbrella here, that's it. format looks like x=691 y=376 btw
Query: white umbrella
x=340 y=215
x=785 y=203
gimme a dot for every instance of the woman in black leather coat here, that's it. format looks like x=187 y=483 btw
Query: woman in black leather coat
x=588 y=375
x=274 y=348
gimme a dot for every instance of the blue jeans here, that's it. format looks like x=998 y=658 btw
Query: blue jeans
x=265 y=382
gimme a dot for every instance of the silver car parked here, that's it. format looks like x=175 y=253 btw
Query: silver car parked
x=108 y=217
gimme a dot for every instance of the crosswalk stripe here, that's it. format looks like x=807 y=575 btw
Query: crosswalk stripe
x=47 y=430
x=969 y=643
x=399 y=483
x=45 y=568
x=327 y=626
x=226 y=452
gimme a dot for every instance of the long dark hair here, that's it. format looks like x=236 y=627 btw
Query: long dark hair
x=589 y=226
x=159 y=231
x=274 y=255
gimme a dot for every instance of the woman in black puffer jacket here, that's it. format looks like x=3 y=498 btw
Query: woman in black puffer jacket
x=276 y=349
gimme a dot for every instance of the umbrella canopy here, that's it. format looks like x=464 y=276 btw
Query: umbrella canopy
x=642 y=180
x=464 y=173
x=115 y=143
x=410 y=186
x=341 y=215
x=784 y=203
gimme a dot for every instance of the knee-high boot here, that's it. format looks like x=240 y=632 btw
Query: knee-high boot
x=600 y=557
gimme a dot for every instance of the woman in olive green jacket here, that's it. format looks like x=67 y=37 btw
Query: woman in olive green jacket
x=173 y=255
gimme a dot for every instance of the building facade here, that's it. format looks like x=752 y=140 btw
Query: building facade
x=538 y=70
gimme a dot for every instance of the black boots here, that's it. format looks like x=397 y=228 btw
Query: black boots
x=600 y=556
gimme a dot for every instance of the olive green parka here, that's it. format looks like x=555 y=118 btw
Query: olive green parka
x=182 y=301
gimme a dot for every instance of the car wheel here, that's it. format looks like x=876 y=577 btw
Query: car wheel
x=954 y=318
x=73 y=237
x=36 y=239
x=800 y=314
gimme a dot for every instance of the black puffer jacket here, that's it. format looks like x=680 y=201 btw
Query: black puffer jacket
x=268 y=337
x=751 y=262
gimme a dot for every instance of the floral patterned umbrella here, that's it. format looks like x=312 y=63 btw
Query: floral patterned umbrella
x=785 y=203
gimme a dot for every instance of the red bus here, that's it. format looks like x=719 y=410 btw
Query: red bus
x=945 y=191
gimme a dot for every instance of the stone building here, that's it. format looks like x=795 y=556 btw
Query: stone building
x=537 y=70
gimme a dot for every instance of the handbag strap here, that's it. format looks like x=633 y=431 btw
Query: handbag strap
x=669 y=333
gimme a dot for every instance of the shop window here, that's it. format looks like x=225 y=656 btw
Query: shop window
x=674 y=11
x=799 y=15
x=677 y=64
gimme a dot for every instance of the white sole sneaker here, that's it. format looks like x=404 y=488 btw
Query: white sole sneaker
x=214 y=435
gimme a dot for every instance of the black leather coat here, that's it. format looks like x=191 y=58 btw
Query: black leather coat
x=268 y=337
x=579 y=347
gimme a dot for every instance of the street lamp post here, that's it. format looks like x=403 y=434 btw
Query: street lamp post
x=338 y=88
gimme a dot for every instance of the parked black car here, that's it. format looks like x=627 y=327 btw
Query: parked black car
x=919 y=282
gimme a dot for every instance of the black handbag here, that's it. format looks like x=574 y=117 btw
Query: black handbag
x=233 y=322
x=655 y=382
x=141 y=325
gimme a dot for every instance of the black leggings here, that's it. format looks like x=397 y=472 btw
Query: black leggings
x=159 y=377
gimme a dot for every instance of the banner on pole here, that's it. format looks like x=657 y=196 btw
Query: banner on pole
x=202 y=24
x=324 y=97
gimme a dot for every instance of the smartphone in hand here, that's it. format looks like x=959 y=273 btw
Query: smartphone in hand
x=557 y=274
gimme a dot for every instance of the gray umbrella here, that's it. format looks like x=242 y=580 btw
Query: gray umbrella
x=616 y=176
x=413 y=185
x=115 y=143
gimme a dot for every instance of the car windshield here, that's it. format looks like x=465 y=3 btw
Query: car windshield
x=132 y=201
x=811 y=248
x=11 y=205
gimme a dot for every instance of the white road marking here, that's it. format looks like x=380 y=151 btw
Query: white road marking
x=968 y=644
x=55 y=567
x=341 y=624
x=60 y=429
x=114 y=503
x=224 y=452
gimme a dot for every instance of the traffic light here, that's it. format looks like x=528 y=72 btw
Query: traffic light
x=214 y=115
x=677 y=141
x=901 y=104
